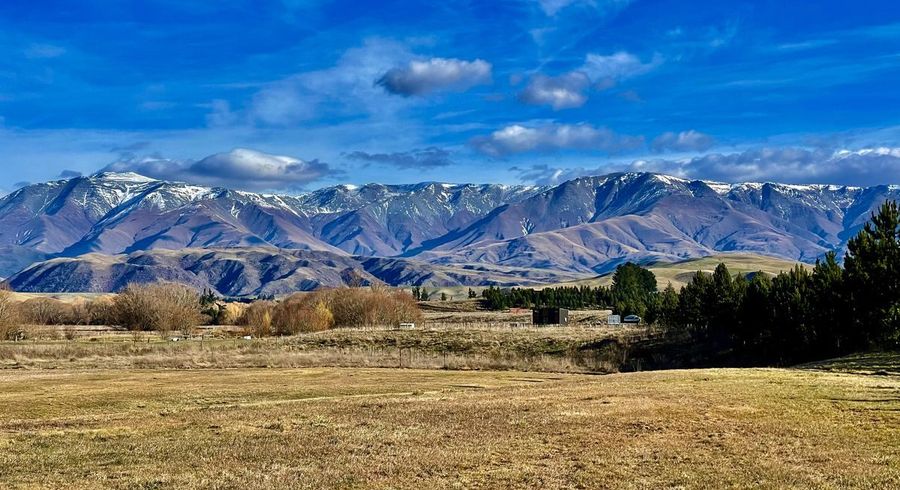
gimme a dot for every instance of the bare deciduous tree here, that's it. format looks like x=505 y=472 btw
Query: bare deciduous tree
x=163 y=307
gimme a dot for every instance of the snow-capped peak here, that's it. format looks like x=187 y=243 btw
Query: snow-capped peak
x=130 y=177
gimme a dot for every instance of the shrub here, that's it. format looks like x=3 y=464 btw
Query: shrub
x=231 y=313
x=302 y=313
x=101 y=311
x=10 y=326
x=374 y=306
x=258 y=318
x=322 y=310
x=46 y=311
x=162 y=306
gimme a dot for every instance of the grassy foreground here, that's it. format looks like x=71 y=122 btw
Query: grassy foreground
x=400 y=428
x=579 y=350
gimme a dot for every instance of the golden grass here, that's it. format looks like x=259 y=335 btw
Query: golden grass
x=533 y=349
x=379 y=428
x=64 y=297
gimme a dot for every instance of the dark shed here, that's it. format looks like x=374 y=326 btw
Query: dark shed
x=550 y=316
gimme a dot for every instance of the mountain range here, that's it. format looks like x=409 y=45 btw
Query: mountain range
x=100 y=232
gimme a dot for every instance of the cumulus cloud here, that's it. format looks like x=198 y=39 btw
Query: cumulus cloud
x=423 y=158
x=865 y=167
x=552 y=137
x=240 y=168
x=562 y=92
x=421 y=77
x=684 y=141
x=600 y=72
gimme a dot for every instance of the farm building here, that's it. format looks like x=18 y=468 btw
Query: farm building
x=550 y=316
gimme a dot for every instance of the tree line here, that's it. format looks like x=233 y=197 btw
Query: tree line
x=631 y=291
x=798 y=315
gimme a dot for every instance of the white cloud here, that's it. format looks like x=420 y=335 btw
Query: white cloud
x=684 y=141
x=436 y=74
x=552 y=137
x=570 y=89
x=543 y=174
x=622 y=65
x=866 y=167
x=562 y=92
x=345 y=89
x=240 y=169
x=873 y=166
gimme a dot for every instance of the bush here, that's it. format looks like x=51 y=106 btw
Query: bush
x=162 y=306
x=10 y=326
x=302 y=313
x=101 y=311
x=322 y=310
x=258 y=318
x=374 y=306
x=231 y=313
x=46 y=311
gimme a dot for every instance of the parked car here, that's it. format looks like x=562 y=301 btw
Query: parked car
x=631 y=319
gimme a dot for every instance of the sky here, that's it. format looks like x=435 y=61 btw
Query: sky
x=293 y=95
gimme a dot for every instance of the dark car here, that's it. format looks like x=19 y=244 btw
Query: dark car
x=631 y=319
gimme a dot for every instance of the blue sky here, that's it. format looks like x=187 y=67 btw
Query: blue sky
x=312 y=93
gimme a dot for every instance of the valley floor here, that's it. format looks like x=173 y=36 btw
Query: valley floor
x=822 y=426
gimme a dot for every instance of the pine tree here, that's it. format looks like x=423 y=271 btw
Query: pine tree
x=791 y=322
x=754 y=331
x=722 y=303
x=668 y=302
x=692 y=309
x=632 y=289
x=830 y=307
x=872 y=270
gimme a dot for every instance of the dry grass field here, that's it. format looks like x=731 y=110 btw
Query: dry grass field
x=400 y=428
x=552 y=349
